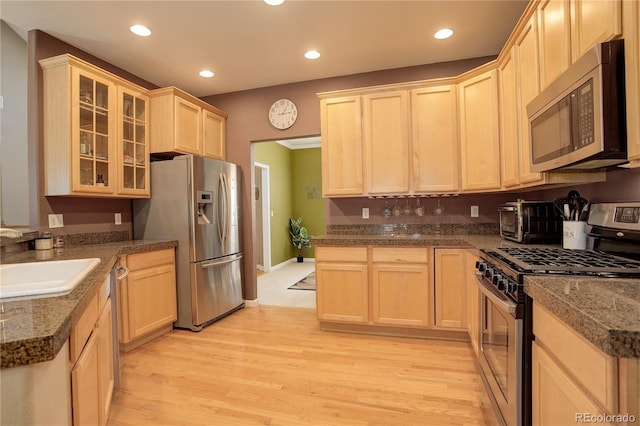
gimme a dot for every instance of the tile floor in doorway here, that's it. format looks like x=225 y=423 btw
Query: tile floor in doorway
x=273 y=286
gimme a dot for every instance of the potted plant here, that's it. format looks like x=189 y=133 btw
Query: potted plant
x=299 y=236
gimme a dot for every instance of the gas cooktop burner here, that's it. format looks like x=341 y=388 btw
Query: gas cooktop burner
x=556 y=260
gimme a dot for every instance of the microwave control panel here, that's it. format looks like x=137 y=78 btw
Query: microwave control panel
x=585 y=114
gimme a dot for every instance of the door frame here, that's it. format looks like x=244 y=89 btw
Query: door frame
x=266 y=216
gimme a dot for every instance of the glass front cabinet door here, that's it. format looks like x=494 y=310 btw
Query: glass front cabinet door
x=133 y=155
x=95 y=131
x=93 y=110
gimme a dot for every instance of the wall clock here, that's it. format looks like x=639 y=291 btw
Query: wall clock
x=282 y=114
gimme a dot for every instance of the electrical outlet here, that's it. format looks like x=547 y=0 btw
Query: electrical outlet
x=365 y=212
x=56 y=221
x=118 y=218
x=475 y=211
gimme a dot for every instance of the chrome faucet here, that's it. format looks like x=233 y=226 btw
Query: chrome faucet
x=8 y=232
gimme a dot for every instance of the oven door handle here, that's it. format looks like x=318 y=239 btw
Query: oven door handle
x=496 y=298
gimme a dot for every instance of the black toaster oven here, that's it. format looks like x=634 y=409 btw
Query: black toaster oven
x=530 y=222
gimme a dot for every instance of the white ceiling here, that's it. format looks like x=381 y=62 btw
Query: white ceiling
x=249 y=44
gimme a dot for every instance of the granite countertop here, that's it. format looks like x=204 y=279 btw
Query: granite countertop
x=424 y=240
x=606 y=311
x=33 y=329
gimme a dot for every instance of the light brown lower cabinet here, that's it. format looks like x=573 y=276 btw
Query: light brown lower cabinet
x=557 y=398
x=390 y=290
x=473 y=300
x=450 y=288
x=106 y=377
x=91 y=356
x=575 y=382
x=400 y=286
x=342 y=293
x=147 y=298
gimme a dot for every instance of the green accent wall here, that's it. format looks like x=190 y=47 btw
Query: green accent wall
x=307 y=202
x=295 y=191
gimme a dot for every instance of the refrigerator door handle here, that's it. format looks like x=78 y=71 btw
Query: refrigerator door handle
x=223 y=209
x=221 y=262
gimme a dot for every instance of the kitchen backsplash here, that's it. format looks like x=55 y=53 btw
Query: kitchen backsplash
x=621 y=185
x=410 y=229
x=26 y=242
x=435 y=210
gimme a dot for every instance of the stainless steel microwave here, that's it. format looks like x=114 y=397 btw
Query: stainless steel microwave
x=579 y=122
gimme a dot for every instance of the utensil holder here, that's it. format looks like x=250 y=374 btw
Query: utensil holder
x=574 y=235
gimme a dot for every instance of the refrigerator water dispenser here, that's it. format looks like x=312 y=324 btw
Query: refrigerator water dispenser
x=205 y=207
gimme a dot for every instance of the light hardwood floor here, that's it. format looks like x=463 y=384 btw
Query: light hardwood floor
x=273 y=365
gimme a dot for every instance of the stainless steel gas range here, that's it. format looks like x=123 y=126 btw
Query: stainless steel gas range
x=506 y=314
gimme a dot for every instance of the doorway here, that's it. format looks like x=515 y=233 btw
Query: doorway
x=263 y=224
x=287 y=183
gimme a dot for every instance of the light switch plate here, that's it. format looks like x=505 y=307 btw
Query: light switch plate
x=475 y=211
x=365 y=212
x=118 y=218
x=56 y=221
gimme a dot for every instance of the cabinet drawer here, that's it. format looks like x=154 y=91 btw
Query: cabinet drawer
x=592 y=368
x=400 y=255
x=147 y=260
x=82 y=330
x=341 y=254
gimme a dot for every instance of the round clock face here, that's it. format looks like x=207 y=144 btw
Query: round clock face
x=282 y=114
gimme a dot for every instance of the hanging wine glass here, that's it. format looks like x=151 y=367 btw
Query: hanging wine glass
x=419 y=209
x=397 y=211
x=386 y=211
x=439 y=210
x=407 y=209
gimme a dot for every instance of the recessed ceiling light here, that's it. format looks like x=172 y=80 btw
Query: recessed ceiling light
x=443 y=33
x=274 y=2
x=206 y=73
x=312 y=54
x=140 y=30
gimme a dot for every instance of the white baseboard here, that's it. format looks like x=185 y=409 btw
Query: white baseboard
x=251 y=303
x=292 y=260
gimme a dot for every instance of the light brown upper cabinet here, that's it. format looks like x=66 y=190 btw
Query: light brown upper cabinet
x=479 y=134
x=526 y=51
x=631 y=16
x=341 y=131
x=386 y=142
x=88 y=149
x=593 y=21
x=509 y=117
x=181 y=123
x=434 y=123
x=214 y=128
x=554 y=39
x=132 y=146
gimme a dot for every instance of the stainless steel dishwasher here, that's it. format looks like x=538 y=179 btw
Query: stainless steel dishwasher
x=118 y=272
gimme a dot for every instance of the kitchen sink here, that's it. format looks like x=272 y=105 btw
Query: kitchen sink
x=53 y=277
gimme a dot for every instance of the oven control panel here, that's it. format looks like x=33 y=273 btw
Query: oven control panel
x=627 y=215
x=617 y=216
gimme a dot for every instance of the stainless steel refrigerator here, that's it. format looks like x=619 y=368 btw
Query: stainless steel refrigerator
x=196 y=201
